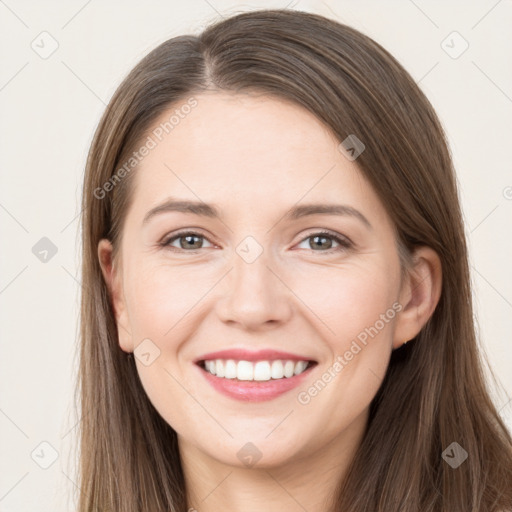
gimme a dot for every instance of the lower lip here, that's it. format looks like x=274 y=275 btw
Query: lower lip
x=254 y=391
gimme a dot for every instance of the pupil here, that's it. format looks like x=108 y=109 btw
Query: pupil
x=321 y=238
x=189 y=237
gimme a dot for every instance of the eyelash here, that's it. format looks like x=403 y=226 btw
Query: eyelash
x=344 y=243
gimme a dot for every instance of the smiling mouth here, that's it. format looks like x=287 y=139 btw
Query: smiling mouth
x=259 y=371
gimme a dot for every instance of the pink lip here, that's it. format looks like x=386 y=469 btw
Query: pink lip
x=254 y=391
x=246 y=355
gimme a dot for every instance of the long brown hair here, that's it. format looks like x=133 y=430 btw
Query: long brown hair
x=434 y=392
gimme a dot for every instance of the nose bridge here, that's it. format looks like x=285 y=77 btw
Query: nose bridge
x=254 y=294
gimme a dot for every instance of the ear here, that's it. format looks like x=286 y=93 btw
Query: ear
x=113 y=280
x=419 y=295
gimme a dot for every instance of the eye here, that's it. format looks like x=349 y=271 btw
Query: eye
x=189 y=241
x=323 y=240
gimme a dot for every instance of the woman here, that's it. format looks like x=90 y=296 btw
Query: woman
x=277 y=309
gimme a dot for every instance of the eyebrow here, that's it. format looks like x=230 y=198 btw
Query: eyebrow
x=297 y=212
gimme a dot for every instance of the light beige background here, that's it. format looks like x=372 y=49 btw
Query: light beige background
x=50 y=108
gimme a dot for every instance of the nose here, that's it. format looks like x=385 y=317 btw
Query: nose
x=254 y=295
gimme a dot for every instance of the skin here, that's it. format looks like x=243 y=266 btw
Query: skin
x=255 y=157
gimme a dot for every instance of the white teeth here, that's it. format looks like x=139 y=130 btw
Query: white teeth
x=288 y=368
x=300 y=366
x=230 y=369
x=262 y=370
x=219 y=368
x=244 y=370
x=258 y=371
x=277 y=371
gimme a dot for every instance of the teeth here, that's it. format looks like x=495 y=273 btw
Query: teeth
x=277 y=370
x=230 y=369
x=258 y=371
x=289 y=366
x=262 y=370
x=219 y=368
x=300 y=367
x=244 y=370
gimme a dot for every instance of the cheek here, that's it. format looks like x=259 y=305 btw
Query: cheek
x=161 y=301
x=348 y=300
x=162 y=297
x=358 y=305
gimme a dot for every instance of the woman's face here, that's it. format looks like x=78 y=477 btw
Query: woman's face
x=250 y=274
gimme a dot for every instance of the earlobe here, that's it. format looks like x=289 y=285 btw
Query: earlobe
x=113 y=281
x=419 y=296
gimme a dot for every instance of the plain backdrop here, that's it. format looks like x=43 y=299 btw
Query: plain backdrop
x=50 y=107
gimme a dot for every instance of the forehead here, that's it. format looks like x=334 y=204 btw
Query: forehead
x=246 y=150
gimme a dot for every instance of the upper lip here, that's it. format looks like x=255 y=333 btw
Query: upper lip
x=240 y=354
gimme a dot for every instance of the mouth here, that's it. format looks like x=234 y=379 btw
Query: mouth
x=254 y=376
x=255 y=371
